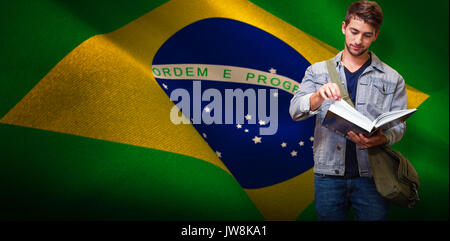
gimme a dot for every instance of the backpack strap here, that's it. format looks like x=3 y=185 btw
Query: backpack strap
x=335 y=79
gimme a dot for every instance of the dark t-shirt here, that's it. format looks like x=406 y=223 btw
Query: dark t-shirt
x=351 y=163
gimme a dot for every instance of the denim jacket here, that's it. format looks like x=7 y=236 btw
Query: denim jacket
x=379 y=89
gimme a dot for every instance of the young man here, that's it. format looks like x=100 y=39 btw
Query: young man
x=342 y=174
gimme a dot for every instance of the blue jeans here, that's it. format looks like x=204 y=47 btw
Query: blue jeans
x=334 y=196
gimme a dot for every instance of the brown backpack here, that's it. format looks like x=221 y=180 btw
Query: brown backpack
x=395 y=177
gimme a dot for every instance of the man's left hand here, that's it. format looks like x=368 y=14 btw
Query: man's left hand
x=364 y=142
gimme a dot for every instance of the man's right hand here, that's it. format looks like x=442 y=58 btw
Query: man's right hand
x=328 y=91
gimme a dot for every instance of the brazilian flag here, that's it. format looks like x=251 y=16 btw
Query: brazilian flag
x=85 y=110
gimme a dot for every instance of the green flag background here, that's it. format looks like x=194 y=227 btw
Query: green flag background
x=46 y=175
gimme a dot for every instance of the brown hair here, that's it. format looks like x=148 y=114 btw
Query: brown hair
x=368 y=11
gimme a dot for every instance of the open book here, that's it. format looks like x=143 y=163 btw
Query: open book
x=342 y=117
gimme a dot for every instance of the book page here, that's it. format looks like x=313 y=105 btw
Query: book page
x=384 y=115
x=346 y=111
x=391 y=116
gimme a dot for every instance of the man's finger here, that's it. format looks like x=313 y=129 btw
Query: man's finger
x=380 y=132
x=363 y=138
x=322 y=94
x=350 y=135
x=336 y=90
x=353 y=137
x=328 y=93
x=333 y=92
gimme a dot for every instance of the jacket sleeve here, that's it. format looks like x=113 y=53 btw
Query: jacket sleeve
x=399 y=102
x=299 y=108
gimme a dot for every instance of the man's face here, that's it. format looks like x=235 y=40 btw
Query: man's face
x=358 y=36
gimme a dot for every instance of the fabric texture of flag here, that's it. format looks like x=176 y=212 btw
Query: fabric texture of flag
x=86 y=113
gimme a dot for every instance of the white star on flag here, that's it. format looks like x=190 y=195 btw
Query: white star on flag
x=311 y=138
x=219 y=155
x=301 y=143
x=204 y=135
x=293 y=153
x=239 y=126
x=248 y=117
x=165 y=86
x=207 y=109
x=246 y=130
x=275 y=94
x=273 y=71
x=283 y=144
x=257 y=139
x=261 y=122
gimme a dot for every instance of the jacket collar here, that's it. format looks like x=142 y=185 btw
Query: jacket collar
x=375 y=64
